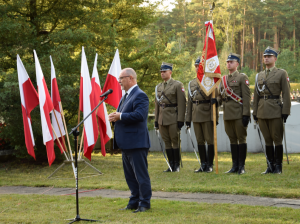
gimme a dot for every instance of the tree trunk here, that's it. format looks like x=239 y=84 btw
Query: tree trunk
x=258 y=54
x=254 y=48
x=184 y=8
x=275 y=38
x=243 y=40
x=232 y=34
x=294 y=37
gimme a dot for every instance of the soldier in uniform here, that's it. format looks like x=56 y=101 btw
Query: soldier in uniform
x=269 y=110
x=236 y=97
x=170 y=105
x=199 y=110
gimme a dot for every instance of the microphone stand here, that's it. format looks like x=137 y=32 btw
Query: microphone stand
x=75 y=134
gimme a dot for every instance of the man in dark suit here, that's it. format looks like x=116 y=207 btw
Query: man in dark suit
x=132 y=137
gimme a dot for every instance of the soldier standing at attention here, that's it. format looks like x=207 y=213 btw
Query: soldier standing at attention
x=269 y=110
x=170 y=105
x=235 y=93
x=199 y=110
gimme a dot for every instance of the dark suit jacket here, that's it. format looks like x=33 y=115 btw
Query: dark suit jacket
x=131 y=132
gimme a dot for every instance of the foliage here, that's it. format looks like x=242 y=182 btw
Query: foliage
x=60 y=29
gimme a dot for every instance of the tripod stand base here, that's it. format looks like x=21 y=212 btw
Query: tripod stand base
x=78 y=219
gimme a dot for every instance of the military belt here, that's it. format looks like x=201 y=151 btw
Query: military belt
x=266 y=97
x=197 y=102
x=227 y=99
x=163 y=105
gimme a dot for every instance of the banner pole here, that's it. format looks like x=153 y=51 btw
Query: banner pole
x=215 y=133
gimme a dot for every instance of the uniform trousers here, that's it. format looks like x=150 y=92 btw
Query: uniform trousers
x=236 y=131
x=135 y=166
x=204 y=132
x=272 y=130
x=169 y=135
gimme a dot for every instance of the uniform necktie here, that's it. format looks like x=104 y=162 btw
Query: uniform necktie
x=268 y=72
x=165 y=84
x=124 y=98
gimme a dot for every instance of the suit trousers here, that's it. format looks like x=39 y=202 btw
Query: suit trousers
x=204 y=132
x=272 y=130
x=169 y=135
x=236 y=131
x=135 y=166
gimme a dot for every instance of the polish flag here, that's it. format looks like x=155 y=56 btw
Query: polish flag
x=29 y=100
x=86 y=104
x=104 y=125
x=112 y=82
x=211 y=77
x=55 y=97
x=46 y=107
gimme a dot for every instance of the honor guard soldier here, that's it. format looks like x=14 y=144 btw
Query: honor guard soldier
x=270 y=110
x=235 y=93
x=170 y=105
x=199 y=110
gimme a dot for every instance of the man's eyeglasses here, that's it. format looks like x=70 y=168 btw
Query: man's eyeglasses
x=120 y=78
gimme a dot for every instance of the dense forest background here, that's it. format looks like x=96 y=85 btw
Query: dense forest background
x=145 y=36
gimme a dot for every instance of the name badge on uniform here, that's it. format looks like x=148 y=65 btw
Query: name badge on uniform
x=234 y=81
x=247 y=82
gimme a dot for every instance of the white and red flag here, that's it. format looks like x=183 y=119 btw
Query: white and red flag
x=103 y=122
x=55 y=97
x=112 y=82
x=86 y=105
x=29 y=100
x=46 y=107
x=209 y=72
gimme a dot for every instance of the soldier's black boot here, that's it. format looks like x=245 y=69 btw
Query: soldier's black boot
x=202 y=154
x=270 y=156
x=235 y=158
x=278 y=159
x=242 y=158
x=176 y=160
x=171 y=159
x=211 y=156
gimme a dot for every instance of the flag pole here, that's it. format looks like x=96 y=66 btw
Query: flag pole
x=63 y=140
x=81 y=141
x=58 y=141
x=63 y=117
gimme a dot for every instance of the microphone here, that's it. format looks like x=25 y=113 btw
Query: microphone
x=107 y=93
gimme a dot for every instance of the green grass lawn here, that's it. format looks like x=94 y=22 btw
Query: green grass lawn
x=251 y=183
x=55 y=209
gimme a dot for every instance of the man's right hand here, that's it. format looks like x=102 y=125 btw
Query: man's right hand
x=156 y=125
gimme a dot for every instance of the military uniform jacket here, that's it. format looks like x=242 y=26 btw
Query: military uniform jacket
x=174 y=91
x=199 y=112
x=239 y=83
x=278 y=82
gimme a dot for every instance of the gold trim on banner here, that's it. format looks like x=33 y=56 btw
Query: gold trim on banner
x=213 y=75
x=211 y=89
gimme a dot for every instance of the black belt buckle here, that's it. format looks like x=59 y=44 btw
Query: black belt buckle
x=197 y=102
x=163 y=105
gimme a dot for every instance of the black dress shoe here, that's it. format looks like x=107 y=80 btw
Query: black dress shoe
x=141 y=209
x=129 y=207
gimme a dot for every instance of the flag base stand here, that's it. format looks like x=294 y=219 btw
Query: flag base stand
x=66 y=162
x=78 y=219
x=75 y=133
